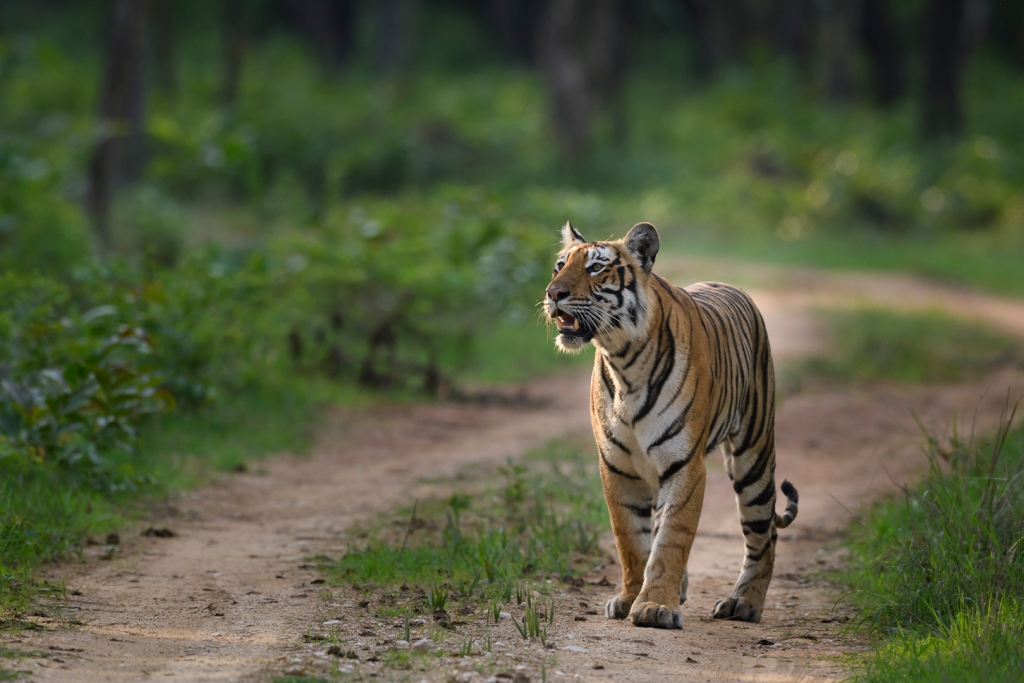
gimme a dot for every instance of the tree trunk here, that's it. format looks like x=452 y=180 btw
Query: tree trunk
x=565 y=72
x=794 y=30
x=394 y=20
x=941 y=108
x=514 y=25
x=976 y=18
x=724 y=30
x=233 y=37
x=605 y=57
x=329 y=25
x=882 y=43
x=703 y=64
x=162 y=34
x=1020 y=43
x=120 y=153
x=836 y=29
x=581 y=45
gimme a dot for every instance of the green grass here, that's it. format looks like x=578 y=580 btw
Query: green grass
x=982 y=260
x=979 y=645
x=43 y=516
x=238 y=430
x=912 y=347
x=518 y=351
x=542 y=519
x=14 y=655
x=46 y=511
x=938 y=573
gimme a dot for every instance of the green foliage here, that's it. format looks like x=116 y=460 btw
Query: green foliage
x=75 y=382
x=938 y=571
x=150 y=226
x=975 y=259
x=752 y=163
x=227 y=434
x=42 y=518
x=44 y=141
x=331 y=233
x=437 y=597
x=980 y=644
x=763 y=155
x=534 y=616
x=949 y=543
x=412 y=281
x=876 y=344
x=85 y=368
x=543 y=520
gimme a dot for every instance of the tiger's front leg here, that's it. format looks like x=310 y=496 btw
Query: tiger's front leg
x=630 y=503
x=676 y=514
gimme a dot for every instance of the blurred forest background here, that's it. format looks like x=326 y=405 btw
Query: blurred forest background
x=216 y=215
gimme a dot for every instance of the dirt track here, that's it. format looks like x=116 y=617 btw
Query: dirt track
x=228 y=598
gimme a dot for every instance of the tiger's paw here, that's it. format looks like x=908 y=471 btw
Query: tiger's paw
x=618 y=607
x=736 y=609
x=653 y=615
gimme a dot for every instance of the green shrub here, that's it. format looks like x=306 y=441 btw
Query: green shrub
x=150 y=226
x=75 y=380
x=40 y=230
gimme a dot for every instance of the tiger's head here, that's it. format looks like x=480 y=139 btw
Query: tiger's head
x=598 y=290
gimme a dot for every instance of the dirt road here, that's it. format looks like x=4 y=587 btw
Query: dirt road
x=231 y=595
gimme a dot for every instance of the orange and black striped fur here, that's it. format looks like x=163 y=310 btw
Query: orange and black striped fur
x=677 y=372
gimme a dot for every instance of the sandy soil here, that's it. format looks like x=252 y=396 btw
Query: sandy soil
x=232 y=594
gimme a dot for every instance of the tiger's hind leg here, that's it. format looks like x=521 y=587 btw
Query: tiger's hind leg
x=752 y=471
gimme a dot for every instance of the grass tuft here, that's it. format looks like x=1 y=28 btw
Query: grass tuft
x=544 y=519
x=979 y=644
x=938 y=572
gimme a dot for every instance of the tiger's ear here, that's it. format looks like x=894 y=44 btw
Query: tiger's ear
x=571 y=236
x=642 y=241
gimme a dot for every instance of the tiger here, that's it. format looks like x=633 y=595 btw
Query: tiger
x=677 y=373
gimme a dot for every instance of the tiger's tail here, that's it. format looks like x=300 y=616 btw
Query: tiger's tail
x=792 y=501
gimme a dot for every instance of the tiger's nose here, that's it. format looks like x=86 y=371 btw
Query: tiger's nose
x=557 y=293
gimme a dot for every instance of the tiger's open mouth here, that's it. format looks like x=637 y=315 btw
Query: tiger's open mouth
x=570 y=326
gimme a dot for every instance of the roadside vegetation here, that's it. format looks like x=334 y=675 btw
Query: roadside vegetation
x=875 y=344
x=500 y=555
x=327 y=237
x=534 y=518
x=937 y=571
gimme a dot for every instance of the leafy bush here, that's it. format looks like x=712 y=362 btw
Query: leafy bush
x=39 y=228
x=355 y=298
x=400 y=283
x=74 y=383
x=150 y=226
